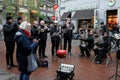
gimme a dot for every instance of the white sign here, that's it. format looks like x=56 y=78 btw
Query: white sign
x=111 y=3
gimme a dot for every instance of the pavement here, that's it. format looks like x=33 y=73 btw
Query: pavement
x=5 y=75
x=85 y=68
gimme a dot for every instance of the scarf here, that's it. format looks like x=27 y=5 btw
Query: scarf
x=27 y=33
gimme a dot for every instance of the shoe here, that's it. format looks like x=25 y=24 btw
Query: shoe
x=81 y=55
x=8 y=66
x=14 y=65
x=69 y=54
x=98 y=62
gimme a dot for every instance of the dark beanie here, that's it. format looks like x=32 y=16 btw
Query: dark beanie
x=19 y=18
x=8 y=18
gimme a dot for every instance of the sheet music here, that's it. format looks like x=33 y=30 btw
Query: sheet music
x=66 y=68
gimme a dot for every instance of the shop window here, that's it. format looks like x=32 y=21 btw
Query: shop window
x=112 y=19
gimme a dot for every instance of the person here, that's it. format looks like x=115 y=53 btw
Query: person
x=103 y=47
x=16 y=25
x=88 y=46
x=103 y=27
x=97 y=40
x=34 y=32
x=42 y=35
x=55 y=37
x=9 y=33
x=115 y=29
x=68 y=31
x=25 y=45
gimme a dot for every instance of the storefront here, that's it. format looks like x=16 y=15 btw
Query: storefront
x=81 y=11
x=84 y=17
x=109 y=13
x=112 y=19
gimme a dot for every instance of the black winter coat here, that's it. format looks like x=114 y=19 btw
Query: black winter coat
x=9 y=32
x=68 y=32
x=42 y=33
x=90 y=41
x=34 y=32
x=55 y=32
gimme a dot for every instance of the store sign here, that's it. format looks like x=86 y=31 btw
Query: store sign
x=53 y=17
x=111 y=3
x=83 y=7
x=55 y=6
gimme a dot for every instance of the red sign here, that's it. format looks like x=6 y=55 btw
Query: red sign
x=55 y=6
x=53 y=17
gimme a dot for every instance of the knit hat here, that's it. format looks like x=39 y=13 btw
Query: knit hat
x=19 y=18
x=8 y=18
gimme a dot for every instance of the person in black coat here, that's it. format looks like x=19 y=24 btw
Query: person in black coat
x=25 y=45
x=89 y=45
x=34 y=30
x=9 y=32
x=55 y=37
x=16 y=25
x=42 y=35
x=68 y=32
x=103 y=47
x=103 y=28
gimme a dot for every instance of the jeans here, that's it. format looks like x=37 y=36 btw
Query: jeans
x=24 y=76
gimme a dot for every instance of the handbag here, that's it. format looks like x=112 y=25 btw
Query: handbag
x=32 y=62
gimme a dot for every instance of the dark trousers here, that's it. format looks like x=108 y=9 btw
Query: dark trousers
x=100 y=53
x=86 y=49
x=67 y=40
x=42 y=46
x=10 y=45
x=55 y=45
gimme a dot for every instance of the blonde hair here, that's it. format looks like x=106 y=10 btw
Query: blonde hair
x=24 y=25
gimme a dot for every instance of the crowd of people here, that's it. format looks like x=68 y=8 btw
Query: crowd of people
x=32 y=39
x=98 y=41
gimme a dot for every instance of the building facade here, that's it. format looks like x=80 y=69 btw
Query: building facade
x=92 y=11
x=47 y=10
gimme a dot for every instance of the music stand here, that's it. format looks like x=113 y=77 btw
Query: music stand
x=116 y=75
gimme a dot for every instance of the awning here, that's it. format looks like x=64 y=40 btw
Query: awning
x=85 y=14
x=34 y=11
x=23 y=10
x=66 y=15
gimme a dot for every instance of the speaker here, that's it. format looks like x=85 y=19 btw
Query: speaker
x=118 y=54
